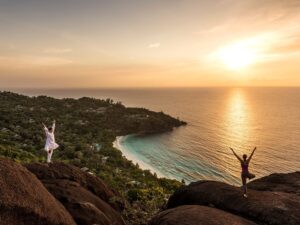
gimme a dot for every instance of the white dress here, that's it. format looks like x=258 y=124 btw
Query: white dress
x=50 y=141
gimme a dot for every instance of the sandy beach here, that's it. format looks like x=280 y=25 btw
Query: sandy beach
x=130 y=156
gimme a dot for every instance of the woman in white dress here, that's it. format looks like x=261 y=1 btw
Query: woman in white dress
x=50 y=145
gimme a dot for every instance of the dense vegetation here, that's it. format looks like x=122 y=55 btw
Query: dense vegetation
x=86 y=129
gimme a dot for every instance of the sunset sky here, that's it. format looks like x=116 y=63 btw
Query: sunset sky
x=149 y=43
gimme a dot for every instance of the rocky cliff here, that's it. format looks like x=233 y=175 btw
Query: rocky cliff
x=55 y=194
x=273 y=200
x=25 y=200
x=62 y=194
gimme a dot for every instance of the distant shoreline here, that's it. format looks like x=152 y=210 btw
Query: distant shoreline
x=131 y=157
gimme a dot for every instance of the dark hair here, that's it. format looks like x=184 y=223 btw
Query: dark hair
x=244 y=156
x=50 y=128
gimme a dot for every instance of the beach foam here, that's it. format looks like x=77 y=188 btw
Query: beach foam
x=119 y=144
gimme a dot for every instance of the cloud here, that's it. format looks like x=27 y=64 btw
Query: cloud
x=57 y=50
x=248 y=16
x=214 y=29
x=290 y=45
x=27 y=61
x=49 y=61
x=154 y=45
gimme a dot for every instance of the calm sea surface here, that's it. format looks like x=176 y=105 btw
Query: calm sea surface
x=218 y=118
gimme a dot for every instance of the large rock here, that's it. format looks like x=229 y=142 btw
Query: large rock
x=86 y=197
x=72 y=173
x=289 y=183
x=197 y=215
x=85 y=207
x=263 y=207
x=25 y=201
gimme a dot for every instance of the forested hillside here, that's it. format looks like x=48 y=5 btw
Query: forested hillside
x=85 y=131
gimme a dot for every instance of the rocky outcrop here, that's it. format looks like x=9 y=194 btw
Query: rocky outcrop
x=197 y=215
x=263 y=207
x=61 y=194
x=25 y=201
x=87 y=198
x=289 y=183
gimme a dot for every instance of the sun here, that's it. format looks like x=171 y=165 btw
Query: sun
x=237 y=56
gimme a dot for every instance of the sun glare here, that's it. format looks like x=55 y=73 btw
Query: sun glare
x=237 y=57
x=242 y=54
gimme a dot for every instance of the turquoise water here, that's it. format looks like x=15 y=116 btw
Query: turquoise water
x=242 y=118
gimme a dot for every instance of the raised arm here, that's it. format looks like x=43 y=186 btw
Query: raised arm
x=45 y=128
x=53 y=126
x=250 y=157
x=239 y=158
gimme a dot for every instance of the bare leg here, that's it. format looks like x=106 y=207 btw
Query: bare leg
x=244 y=180
x=49 y=156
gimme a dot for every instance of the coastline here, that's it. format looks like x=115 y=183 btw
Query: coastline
x=131 y=157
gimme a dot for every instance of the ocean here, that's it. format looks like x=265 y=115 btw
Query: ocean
x=218 y=118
